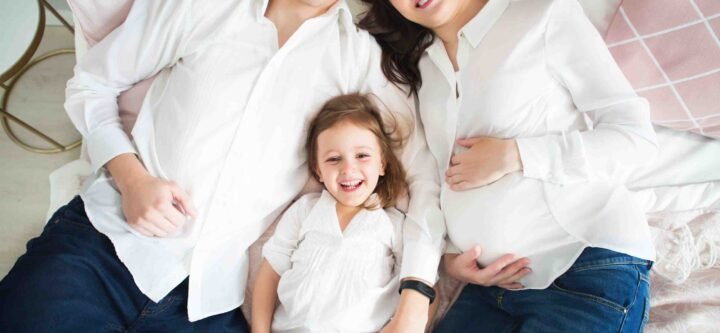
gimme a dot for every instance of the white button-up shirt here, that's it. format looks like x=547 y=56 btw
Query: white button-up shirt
x=225 y=119
x=335 y=280
x=537 y=71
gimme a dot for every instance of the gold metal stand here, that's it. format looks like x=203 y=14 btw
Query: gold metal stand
x=17 y=71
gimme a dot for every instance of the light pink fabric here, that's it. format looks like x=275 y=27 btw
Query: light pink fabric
x=97 y=19
x=600 y=12
x=685 y=292
x=670 y=52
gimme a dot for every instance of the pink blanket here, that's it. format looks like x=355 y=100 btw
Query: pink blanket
x=670 y=52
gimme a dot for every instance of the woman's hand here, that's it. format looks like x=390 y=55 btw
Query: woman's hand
x=408 y=325
x=487 y=160
x=504 y=272
x=411 y=314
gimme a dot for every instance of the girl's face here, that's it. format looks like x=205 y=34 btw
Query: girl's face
x=349 y=162
x=432 y=14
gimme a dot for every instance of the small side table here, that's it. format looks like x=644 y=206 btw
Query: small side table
x=23 y=24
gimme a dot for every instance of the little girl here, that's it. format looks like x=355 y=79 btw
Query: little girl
x=333 y=259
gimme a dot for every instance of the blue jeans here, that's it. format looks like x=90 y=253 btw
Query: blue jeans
x=70 y=280
x=603 y=291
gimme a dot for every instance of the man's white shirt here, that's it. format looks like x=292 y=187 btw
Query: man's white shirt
x=225 y=119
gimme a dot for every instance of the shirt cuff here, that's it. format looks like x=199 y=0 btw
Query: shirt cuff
x=420 y=262
x=555 y=159
x=532 y=152
x=104 y=145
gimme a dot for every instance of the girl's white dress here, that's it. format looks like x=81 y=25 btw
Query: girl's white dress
x=333 y=280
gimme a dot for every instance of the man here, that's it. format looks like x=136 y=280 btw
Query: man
x=158 y=241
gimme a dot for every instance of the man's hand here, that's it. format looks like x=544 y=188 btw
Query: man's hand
x=504 y=272
x=487 y=160
x=152 y=206
x=155 y=207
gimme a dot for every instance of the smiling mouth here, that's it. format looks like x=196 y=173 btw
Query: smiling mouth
x=422 y=3
x=350 y=186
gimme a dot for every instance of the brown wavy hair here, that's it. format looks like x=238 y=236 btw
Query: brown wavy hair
x=360 y=111
x=402 y=41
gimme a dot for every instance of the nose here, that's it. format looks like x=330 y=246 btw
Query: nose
x=347 y=166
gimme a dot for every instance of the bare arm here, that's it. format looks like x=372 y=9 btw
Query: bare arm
x=264 y=298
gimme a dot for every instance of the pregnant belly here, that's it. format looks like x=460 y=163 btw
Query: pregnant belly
x=508 y=216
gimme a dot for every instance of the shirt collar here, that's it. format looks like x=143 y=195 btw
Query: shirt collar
x=340 y=8
x=343 y=13
x=475 y=30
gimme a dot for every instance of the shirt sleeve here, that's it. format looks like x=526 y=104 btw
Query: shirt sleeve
x=280 y=247
x=621 y=137
x=424 y=226
x=397 y=218
x=150 y=39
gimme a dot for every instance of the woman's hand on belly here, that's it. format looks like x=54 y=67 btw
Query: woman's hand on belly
x=503 y=272
x=487 y=160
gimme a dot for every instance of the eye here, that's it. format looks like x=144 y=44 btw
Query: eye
x=332 y=159
x=362 y=156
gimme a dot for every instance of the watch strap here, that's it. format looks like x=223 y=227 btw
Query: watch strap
x=420 y=287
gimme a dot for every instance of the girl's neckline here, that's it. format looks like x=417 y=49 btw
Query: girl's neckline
x=342 y=229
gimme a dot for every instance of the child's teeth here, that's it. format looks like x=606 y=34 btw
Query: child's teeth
x=349 y=184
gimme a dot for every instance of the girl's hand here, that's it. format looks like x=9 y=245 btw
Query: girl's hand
x=487 y=160
x=504 y=272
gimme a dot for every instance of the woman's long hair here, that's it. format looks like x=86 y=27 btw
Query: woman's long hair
x=402 y=41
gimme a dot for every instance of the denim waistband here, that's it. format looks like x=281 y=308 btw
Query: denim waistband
x=593 y=256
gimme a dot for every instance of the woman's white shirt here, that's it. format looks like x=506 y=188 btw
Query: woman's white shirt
x=335 y=280
x=537 y=71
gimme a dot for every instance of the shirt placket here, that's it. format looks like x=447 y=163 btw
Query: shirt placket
x=228 y=180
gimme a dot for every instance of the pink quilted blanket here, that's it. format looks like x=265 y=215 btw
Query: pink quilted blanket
x=670 y=52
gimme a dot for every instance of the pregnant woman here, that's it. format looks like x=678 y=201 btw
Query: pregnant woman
x=533 y=126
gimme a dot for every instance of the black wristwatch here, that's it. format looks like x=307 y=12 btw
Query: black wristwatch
x=420 y=287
